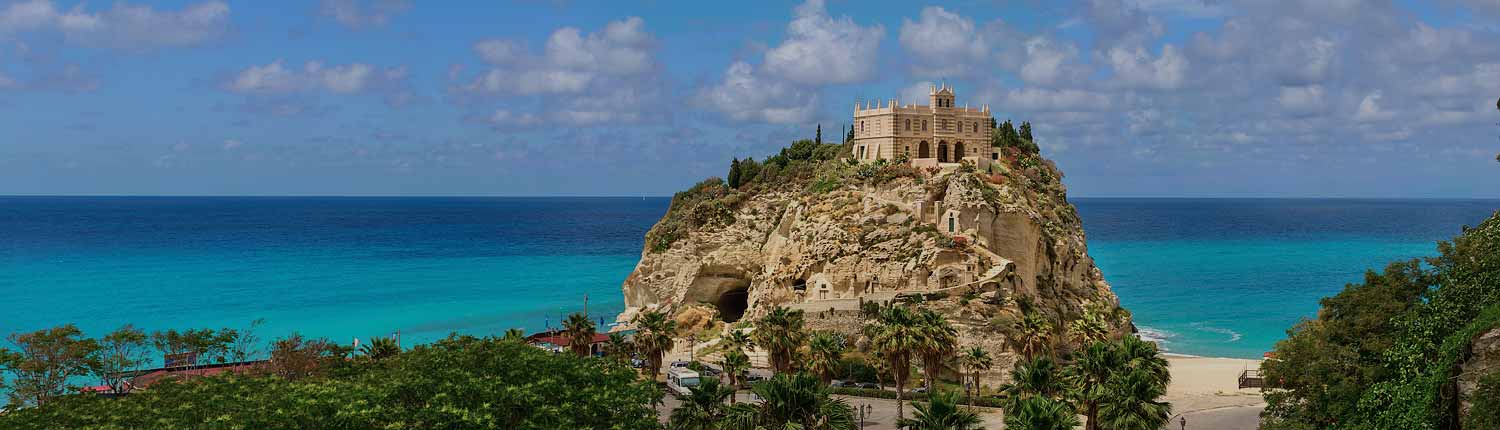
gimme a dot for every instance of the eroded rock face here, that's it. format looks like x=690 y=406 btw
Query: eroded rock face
x=1484 y=358
x=1015 y=246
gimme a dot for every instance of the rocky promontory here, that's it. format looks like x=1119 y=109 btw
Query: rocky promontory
x=986 y=243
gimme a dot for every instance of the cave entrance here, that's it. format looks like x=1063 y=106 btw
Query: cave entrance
x=732 y=304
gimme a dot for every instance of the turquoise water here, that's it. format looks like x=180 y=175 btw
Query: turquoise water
x=1208 y=277
x=336 y=268
x=1228 y=277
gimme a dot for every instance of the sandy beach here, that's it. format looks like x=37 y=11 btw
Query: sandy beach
x=1205 y=390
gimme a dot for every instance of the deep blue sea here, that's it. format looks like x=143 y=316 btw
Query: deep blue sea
x=1221 y=277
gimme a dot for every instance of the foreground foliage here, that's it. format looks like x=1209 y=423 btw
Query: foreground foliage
x=1384 y=354
x=460 y=382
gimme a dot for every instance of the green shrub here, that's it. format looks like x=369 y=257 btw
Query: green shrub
x=824 y=184
x=458 y=382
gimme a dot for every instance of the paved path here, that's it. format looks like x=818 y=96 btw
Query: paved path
x=1228 y=418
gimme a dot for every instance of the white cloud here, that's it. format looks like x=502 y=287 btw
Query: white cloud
x=820 y=49
x=745 y=96
x=350 y=78
x=1187 y=8
x=1055 y=100
x=1304 y=62
x=1301 y=100
x=578 y=78
x=123 y=26
x=507 y=117
x=944 y=43
x=917 y=93
x=1370 y=109
x=353 y=14
x=570 y=63
x=1047 y=61
x=1135 y=68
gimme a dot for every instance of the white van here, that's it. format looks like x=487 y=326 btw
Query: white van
x=679 y=379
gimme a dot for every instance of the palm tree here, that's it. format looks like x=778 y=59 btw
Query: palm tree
x=975 y=360
x=737 y=339
x=703 y=407
x=735 y=364
x=380 y=348
x=1040 y=413
x=1031 y=334
x=1038 y=377
x=655 y=338
x=514 y=334
x=781 y=333
x=938 y=341
x=1092 y=367
x=1130 y=402
x=791 y=401
x=580 y=332
x=824 y=350
x=895 y=335
x=619 y=347
x=941 y=412
x=1143 y=355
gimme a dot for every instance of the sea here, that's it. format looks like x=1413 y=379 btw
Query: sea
x=1213 y=277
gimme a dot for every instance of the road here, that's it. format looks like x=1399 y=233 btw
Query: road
x=882 y=411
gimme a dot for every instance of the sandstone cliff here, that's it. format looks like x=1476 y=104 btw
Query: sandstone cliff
x=985 y=243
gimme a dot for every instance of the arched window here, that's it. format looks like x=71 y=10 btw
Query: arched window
x=861 y=126
x=908 y=124
x=924 y=125
x=976 y=127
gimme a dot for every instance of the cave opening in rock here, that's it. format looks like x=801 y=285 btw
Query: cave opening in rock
x=732 y=304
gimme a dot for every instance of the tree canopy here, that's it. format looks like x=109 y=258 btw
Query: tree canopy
x=1383 y=354
x=459 y=382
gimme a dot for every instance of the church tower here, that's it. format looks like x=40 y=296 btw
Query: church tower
x=940 y=96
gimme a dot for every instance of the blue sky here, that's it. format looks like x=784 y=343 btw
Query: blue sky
x=1314 y=98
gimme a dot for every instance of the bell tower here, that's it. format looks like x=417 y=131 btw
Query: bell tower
x=940 y=96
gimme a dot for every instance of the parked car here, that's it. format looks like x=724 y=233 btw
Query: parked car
x=679 y=364
x=709 y=371
x=920 y=390
x=840 y=384
x=871 y=386
x=755 y=377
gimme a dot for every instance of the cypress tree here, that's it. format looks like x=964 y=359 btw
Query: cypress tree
x=734 y=173
x=819 y=137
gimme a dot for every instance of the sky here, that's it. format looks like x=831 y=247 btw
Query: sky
x=1131 y=98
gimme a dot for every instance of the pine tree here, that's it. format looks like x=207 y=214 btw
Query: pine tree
x=734 y=173
x=819 y=138
x=1026 y=131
